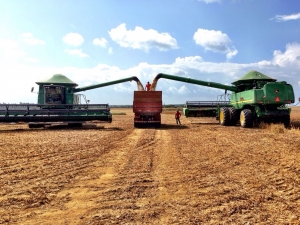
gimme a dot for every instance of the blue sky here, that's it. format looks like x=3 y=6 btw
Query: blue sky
x=98 y=41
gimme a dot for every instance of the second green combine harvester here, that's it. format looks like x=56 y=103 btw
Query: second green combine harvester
x=59 y=100
x=254 y=98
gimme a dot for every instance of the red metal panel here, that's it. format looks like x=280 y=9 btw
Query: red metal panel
x=147 y=96
x=147 y=102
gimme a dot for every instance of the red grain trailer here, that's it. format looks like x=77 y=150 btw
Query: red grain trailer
x=147 y=108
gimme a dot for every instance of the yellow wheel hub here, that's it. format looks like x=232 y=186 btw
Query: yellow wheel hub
x=242 y=118
x=221 y=116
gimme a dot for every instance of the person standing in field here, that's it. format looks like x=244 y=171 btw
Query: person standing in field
x=177 y=117
x=148 y=86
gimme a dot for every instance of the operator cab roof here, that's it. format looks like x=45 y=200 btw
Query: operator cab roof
x=58 y=79
x=252 y=76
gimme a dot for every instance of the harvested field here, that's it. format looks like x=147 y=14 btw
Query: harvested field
x=197 y=173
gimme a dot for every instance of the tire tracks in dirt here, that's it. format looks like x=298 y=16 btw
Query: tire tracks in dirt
x=283 y=183
x=127 y=198
x=105 y=183
x=33 y=187
x=148 y=186
x=139 y=180
x=190 y=174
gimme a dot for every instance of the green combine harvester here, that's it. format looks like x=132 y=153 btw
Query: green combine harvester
x=59 y=101
x=254 y=98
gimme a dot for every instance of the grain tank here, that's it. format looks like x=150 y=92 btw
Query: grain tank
x=254 y=98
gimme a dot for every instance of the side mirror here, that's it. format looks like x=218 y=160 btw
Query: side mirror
x=32 y=89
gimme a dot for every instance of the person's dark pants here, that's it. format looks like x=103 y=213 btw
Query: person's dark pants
x=178 y=121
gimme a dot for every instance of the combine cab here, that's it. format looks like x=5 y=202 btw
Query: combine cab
x=147 y=108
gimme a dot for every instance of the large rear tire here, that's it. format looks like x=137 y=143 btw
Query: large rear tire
x=234 y=117
x=224 y=116
x=246 y=118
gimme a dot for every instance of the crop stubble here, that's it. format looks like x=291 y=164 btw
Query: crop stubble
x=197 y=173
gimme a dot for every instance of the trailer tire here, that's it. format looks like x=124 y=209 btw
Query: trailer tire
x=224 y=116
x=246 y=118
x=233 y=116
x=157 y=125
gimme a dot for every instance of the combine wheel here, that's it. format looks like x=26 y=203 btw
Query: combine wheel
x=75 y=124
x=246 y=118
x=287 y=121
x=224 y=116
x=35 y=125
x=233 y=116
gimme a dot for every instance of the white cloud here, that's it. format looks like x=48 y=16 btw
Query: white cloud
x=11 y=52
x=215 y=41
x=140 y=38
x=283 y=66
x=209 y=1
x=73 y=39
x=178 y=90
x=110 y=51
x=289 y=58
x=282 y=18
x=183 y=90
x=172 y=89
x=231 y=53
x=10 y=49
x=32 y=60
x=29 y=39
x=189 y=59
x=102 y=42
x=77 y=52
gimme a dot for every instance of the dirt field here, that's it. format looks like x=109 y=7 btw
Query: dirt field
x=196 y=173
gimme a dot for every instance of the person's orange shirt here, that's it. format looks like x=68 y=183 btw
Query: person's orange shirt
x=177 y=115
x=148 y=86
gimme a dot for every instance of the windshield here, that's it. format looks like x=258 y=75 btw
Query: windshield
x=54 y=94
